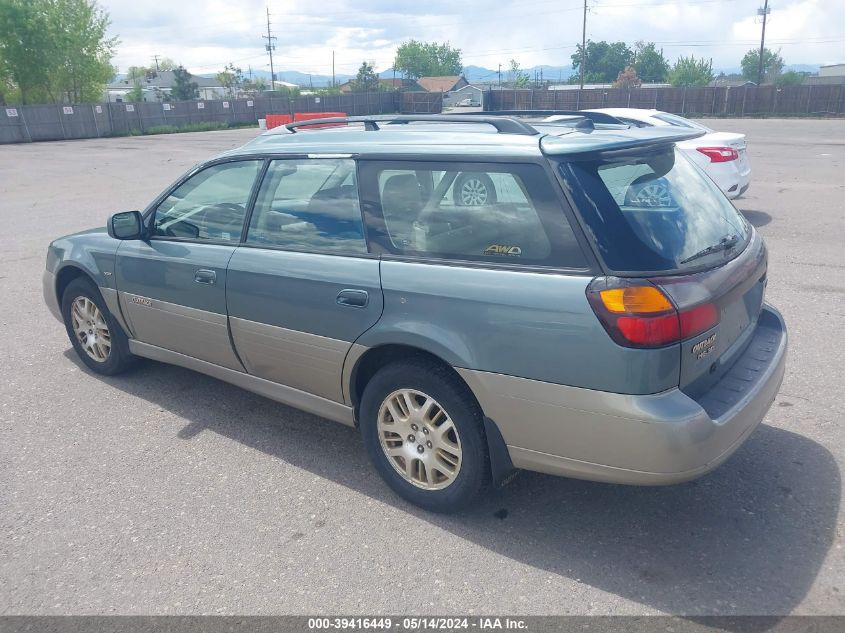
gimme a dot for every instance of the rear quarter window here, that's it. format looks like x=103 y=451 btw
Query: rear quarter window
x=470 y=211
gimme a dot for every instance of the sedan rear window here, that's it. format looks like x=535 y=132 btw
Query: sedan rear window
x=655 y=211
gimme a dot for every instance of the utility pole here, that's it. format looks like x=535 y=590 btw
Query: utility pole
x=333 y=82
x=584 y=45
x=155 y=57
x=270 y=47
x=764 y=12
x=500 y=76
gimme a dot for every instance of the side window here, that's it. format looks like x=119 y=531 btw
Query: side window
x=309 y=205
x=476 y=212
x=210 y=205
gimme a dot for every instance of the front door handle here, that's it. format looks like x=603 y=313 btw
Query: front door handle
x=353 y=298
x=204 y=276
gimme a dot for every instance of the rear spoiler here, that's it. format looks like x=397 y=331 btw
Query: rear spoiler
x=614 y=140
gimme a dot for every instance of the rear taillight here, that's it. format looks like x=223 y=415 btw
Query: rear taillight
x=637 y=313
x=719 y=154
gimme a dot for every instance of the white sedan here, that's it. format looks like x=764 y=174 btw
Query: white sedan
x=722 y=155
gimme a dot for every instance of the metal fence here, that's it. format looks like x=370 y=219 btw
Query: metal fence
x=24 y=124
x=741 y=101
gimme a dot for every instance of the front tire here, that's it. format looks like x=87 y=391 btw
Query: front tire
x=97 y=338
x=424 y=434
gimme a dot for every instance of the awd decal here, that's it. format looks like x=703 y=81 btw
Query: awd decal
x=503 y=249
x=705 y=347
x=143 y=301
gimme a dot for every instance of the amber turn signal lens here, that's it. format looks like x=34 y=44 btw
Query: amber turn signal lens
x=635 y=300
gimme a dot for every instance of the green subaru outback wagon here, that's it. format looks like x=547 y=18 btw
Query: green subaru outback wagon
x=477 y=294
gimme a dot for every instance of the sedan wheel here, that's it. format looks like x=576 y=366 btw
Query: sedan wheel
x=473 y=193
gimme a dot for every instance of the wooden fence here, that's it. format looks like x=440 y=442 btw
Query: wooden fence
x=742 y=101
x=24 y=124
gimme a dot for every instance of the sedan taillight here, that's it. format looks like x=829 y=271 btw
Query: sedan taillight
x=719 y=154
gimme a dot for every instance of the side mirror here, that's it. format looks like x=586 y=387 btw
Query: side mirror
x=127 y=225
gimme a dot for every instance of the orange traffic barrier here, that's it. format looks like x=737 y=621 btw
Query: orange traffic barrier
x=275 y=120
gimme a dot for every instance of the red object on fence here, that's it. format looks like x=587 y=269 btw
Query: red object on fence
x=275 y=120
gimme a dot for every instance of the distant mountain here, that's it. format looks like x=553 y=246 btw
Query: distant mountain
x=479 y=74
x=473 y=74
x=295 y=77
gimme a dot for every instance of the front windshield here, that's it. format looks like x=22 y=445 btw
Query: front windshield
x=655 y=211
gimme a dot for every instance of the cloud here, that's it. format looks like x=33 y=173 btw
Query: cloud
x=204 y=35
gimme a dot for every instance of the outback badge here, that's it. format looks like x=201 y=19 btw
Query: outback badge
x=705 y=347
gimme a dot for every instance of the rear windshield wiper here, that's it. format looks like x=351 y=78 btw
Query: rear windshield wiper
x=725 y=244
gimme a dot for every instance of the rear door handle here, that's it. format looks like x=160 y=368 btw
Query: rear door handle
x=204 y=276
x=353 y=298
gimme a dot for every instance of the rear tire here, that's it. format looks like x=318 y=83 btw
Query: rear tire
x=424 y=434
x=97 y=338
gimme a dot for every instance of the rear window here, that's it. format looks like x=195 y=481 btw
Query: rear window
x=679 y=121
x=655 y=211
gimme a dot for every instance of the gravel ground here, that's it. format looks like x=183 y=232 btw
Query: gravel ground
x=167 y=492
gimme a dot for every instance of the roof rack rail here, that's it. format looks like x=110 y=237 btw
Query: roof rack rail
x=601 y=118
x=503 y=125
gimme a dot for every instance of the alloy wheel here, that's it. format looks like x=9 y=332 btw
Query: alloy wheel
x=473 y=192
x=419 y=439
x=654 y=195
x=91 y=329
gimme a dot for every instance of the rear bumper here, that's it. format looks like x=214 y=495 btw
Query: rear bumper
x=733 y=177
x=653 y=439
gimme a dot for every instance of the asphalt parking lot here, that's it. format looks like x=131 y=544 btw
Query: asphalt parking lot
x=167 y=492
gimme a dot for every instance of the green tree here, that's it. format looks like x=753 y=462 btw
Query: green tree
x=366 y=80
x=254 y=86
x=24 y=50
x=604 y=61
x=166 y=63
x=183 y=88
x=56 y=50
x=136 y=94
x=628 y=79
x=231 y=78
x=689 y=71
x=415 y=59
x=772 y=65
x=82 y=51
x=137 y=74
x=791 y=78
x=649 y=63
x=516 y=76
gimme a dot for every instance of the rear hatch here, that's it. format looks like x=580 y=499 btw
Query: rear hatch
x=658 y=223
x=736 y=289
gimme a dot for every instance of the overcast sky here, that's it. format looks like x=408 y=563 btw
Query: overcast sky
x=206 y=34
